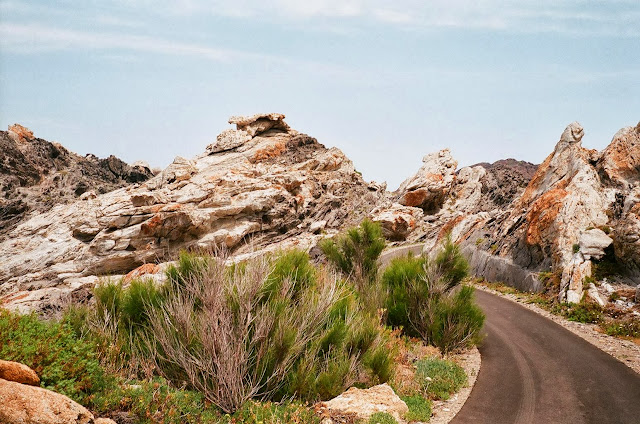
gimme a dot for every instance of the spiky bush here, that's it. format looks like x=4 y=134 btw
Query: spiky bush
x=265 y=329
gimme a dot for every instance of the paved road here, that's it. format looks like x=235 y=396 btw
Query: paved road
x=535 y=371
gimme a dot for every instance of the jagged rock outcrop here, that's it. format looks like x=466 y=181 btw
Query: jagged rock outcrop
x=558 y=224
x=36 y=175
x=429 y=187
x=397 y=221
x=272 y=190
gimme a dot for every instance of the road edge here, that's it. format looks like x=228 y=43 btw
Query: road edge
x=445 y=411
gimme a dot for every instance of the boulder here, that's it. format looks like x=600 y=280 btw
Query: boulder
x=362 y=403
x=573 y=276
x=229 y=139
x=257 y=124
x=19 y=373
x=23 y=404
x=593 y=242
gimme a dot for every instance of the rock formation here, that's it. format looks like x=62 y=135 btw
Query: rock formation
x=578 y=204
x=259 y=185
x=36 y=175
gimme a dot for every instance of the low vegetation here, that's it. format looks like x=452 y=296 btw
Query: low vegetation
x=439 y=379
x=256 y=341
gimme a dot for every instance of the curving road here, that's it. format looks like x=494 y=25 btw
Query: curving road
x=535 y=371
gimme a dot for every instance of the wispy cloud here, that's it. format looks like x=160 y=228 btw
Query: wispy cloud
x=570 y=17
x=31 y=38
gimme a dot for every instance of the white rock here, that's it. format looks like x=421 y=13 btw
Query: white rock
x=593 y=242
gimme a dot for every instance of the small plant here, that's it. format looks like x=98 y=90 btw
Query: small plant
x=584 y=312
x=479 y=241
x=493 y=248
x=419 y=408
x=382 y=418
x=440 y=378
x=606 y=229
x=576 y=248
x=629 y=327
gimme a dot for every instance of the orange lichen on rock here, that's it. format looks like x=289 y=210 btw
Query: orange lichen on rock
x=151 y=225
x=449 y=226
x=543 y=213
x=269 y=152
x=140 y=271
x=415 y=198
x=536 y=181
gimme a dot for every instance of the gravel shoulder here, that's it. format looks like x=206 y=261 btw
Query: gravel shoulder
x=445 y=411
x=625 y=351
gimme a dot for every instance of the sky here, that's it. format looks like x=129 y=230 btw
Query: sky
x=385 y=81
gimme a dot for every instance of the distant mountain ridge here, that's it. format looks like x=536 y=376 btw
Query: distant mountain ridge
x=36 y=175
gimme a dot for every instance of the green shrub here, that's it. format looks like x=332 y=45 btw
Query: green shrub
x=65 y=363
x=451 y=264
x=382 y=418
x=156 y=401
x=440 y=378
x=272 y=413
x=419 y=408
x=356 y=253
x=456 y=322
x=424 y=298
x=576 y=248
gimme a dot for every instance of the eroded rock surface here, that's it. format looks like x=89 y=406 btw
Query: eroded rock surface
x=273 y=189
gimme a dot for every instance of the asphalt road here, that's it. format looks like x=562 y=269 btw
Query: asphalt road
x=535 y=371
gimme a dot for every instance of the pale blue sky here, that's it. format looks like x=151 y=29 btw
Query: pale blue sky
x=385 y=81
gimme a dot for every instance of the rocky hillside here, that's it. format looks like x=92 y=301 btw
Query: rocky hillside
x=260 y=185
x=264 y=186
x=36 y=175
